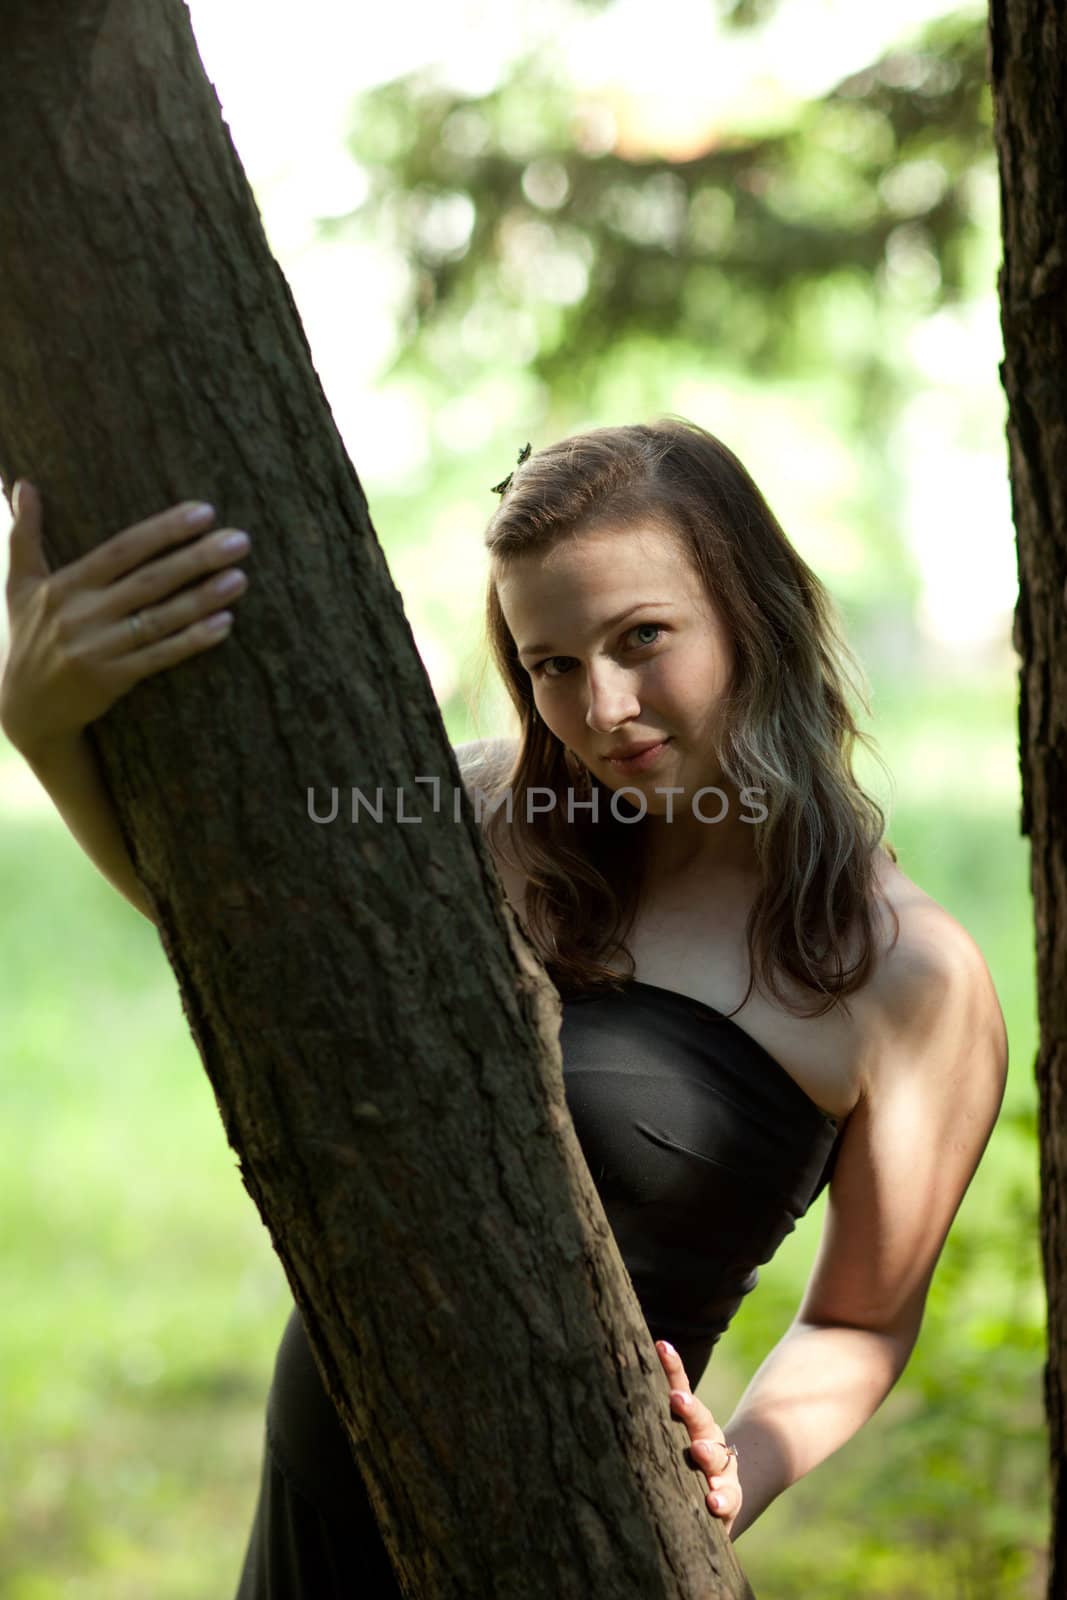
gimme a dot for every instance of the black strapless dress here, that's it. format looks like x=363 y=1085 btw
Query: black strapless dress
x=705 y=1153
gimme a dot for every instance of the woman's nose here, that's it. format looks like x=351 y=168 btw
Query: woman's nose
x=611 y=699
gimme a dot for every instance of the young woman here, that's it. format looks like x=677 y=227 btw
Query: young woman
x=757 y=1002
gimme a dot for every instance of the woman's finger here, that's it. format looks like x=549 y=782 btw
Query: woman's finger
x=707 y=1442
x=724 y=1501
x=712 y=1454
x=149 y=658
x=672 y=1365
x=131 y=548
x=137 y=626
x=164 y=585
x=27 y=563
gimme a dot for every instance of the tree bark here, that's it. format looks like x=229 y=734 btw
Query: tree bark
x=380 y=1038
x=1028 y=68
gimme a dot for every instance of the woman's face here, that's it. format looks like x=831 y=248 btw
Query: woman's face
x=625 y=649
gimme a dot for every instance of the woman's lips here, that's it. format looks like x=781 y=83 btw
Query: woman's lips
x=639 y=763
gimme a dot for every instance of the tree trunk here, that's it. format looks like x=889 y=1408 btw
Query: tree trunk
x=1028 y=63
x=381 y=1040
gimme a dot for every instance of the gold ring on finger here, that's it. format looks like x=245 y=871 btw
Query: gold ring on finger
x=731 y=1450
x=137 y=627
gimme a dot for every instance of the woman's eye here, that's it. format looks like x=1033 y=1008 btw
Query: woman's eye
x=550 y=666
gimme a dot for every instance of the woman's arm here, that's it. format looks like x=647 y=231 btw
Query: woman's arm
x=908 y=1153
x=83 y=636
x=817 y=1388
x=70 y=772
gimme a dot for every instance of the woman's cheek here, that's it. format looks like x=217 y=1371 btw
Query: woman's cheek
x=690 y=675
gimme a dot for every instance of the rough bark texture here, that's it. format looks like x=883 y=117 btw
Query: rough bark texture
x=1028 y=59
x=381 y=1041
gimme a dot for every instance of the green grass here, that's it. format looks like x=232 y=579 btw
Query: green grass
x=144 y=1301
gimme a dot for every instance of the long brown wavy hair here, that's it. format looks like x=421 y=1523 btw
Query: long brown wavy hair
x=789 y=729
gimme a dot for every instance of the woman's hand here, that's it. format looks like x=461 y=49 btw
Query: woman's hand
x=707 y=1443
x=82 y=637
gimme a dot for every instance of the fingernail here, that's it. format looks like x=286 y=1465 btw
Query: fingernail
x=716 y=1501
x=671 y=1351
x=230 y=582
x=194 y=515
x=16 y=496
x=235 y=544
x=679 y=1397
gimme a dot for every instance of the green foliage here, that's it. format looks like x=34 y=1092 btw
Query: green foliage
x=525 y=231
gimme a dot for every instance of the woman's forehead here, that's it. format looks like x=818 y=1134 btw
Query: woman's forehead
x=599 y=554
x=589 y=580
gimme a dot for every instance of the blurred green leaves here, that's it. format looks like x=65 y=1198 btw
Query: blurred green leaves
x=516 y=209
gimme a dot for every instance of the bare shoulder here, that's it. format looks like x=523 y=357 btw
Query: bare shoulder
x=930 y=945
x=485 y=759
x=930 y=980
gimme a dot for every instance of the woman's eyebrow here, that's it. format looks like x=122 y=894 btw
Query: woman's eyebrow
x=605 y=627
